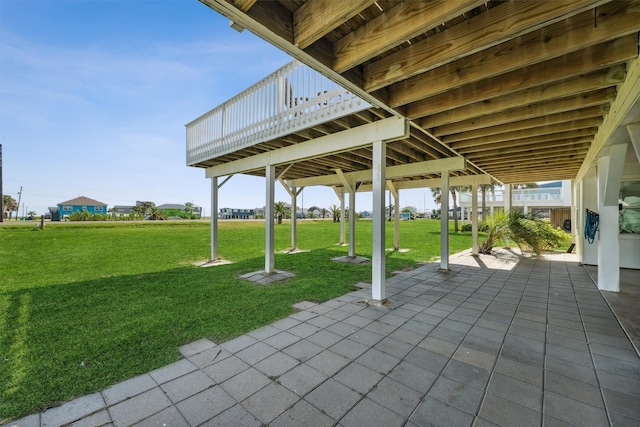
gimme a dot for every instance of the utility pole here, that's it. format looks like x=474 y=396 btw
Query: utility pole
x=19 y=198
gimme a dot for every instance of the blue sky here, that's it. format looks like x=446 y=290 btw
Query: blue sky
x=94 y=96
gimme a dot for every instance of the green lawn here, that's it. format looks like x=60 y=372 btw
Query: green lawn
x=86 y=305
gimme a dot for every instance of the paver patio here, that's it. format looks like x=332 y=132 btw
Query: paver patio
x=492 y=342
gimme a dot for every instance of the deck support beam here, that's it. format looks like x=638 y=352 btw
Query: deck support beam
x=269 y=264
x=508 y=205
x=352 y=222
x=396 y=207
x=378 y=291
x=474 y=218
x=294 y=193
x=444 y=221
x=214 y=218
x=340 y=193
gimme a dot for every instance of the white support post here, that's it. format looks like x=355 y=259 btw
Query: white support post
x=270 y=175
x=396 y=226
x=352 y=221
x=444 y=221
x=508 y=204
x=608 y=245
x=343 y=220
x=214 y=218
x=294 y=217
x=340 y=194
x=474 y=218
x=378 y=291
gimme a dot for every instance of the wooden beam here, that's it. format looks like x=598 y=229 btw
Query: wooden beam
x=537 y=125
x=399 y=171
x=387 y=129
x=470 y=95
x=497 y=25
x=244 y=5
x=568 y=163
x=510 y=137
x=572 y=87
x=520 y=161
x=393 y=27
x=509 y=149
x=614 y=20
x=600 y=98
x=526 y=157
x=315 y=18
x=585 y=134
x=629 y=96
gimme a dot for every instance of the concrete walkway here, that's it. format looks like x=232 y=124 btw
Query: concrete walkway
x=493 y=342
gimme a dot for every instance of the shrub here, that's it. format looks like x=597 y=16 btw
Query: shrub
x=528 y=231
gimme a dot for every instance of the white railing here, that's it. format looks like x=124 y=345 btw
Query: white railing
x=293 y=98
x=529 y=196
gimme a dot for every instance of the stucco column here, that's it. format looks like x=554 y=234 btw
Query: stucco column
x=608 y=231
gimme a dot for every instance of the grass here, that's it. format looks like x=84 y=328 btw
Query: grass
x=87 y=305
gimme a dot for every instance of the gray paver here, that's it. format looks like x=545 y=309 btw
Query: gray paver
x=395 y=396
x=276 y=364
x=186 y=386
x=270 y=402
x=504 y=412
x=255 y=353
x=328 y=362
x=302 y=413
x=333 y=398
x=358 y=377
x=516 y=391
x=302 y=379
x=205 y=405
x=167 y=417
x=245 y=384
x=173 y=371
x=368 y=413
x=432 y=412
x=101 y=418
x=32 y=420
x=572 y=411
x=234 y=417
x=73 y=410
x=456 y=394
x=129 y=388
x=139 y=407
x=225 y=369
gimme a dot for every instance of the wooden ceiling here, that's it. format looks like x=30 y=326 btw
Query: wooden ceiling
x=519 y=88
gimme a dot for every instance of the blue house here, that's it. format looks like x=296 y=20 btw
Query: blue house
x=81 y=204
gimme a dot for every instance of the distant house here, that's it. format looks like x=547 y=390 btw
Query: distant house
x=229 y=213
x=123 y=210
x=81 y=204
x=177 y=209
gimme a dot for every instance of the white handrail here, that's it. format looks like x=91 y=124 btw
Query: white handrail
x=293 y=98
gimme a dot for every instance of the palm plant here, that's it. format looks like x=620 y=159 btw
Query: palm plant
x=335 y=212
x=280 y=209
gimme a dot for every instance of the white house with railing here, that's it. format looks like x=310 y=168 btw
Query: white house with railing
x=551 y=200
